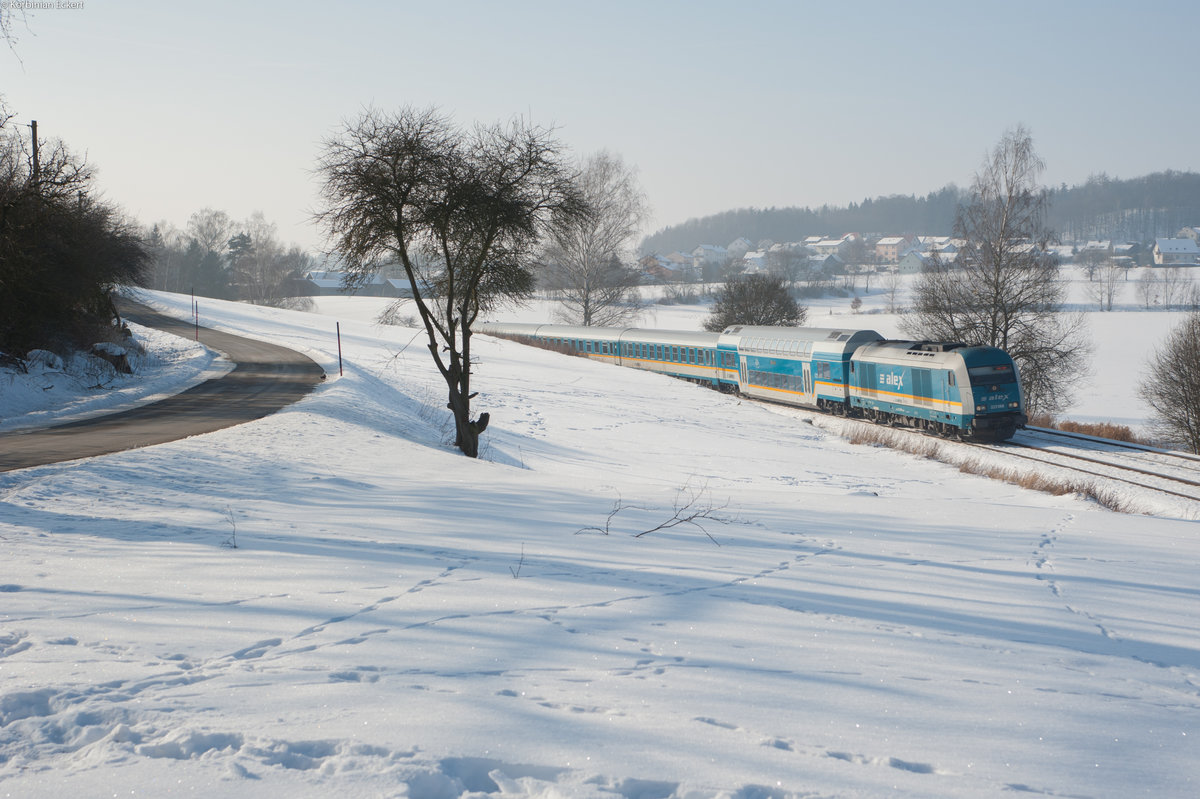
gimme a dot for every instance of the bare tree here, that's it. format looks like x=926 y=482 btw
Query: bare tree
x=893 y=282
x=758 y=299
x=1149 y=286
x=1103 y=289
x=210 y=229
x=790 y=261
x=588 y=260
x=1175 y=286
x=1172 y=386
x=1004 y=289
x=461 y=210
x=1090 y=261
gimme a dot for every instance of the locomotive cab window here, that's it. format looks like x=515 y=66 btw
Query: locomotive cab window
x=990 y=375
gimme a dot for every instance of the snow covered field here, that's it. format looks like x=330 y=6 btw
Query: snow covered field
x=330 y=601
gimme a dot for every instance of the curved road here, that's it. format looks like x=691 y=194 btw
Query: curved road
x=267 y=377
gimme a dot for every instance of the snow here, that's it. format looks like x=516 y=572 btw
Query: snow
x=330 y=600
x=54 y=392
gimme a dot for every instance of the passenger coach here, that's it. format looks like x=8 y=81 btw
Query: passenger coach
x=797 y=365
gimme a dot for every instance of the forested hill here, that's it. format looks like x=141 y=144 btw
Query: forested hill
x=1139 y=209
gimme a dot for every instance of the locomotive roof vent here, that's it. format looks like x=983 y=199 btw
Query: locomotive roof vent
x=936 y=346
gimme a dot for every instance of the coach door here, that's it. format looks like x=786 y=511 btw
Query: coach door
x=808 y=384
x=742 y=374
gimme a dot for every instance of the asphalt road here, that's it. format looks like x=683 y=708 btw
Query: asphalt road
x=267 y=377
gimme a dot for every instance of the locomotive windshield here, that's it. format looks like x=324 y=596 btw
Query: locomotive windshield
x=991 y=375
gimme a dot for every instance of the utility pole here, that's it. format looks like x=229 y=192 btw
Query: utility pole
x=36 y=166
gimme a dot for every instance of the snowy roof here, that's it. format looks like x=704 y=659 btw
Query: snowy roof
x=1178 y=246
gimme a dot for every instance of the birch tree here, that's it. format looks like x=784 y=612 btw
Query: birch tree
x=588 y=262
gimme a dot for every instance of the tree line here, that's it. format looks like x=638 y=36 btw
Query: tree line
x=1137 y=209
x=217 y=256
x=63 y=249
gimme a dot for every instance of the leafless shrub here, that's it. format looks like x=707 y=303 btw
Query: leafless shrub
x=394 y=315
x=1047 y=484
x=1113 y=432
x=516 y=572
x=904 y=441
x=1033 y=480
x=231 y=541
x=692 y=505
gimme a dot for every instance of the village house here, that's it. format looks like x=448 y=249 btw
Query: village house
x=754 y=262
x=1176 y=252
x=328 y=283
x=890 y=248
x=708 y=256
x=738 y=248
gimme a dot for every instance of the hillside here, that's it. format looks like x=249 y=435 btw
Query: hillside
x=1138 y=209
x=331 y=602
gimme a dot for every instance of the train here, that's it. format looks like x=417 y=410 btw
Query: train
x=945 y=388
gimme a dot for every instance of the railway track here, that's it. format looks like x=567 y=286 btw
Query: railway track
x=1154 y=480
x=1160 y=471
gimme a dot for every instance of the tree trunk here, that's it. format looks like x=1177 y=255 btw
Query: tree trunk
x=466 y=430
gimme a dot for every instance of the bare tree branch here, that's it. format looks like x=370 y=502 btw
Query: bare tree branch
x=692 y=505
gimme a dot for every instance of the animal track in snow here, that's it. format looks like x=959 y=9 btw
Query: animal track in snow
x=891 y=762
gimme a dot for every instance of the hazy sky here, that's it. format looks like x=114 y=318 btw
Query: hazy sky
x=186 y=105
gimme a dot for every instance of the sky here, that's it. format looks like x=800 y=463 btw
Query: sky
x=719 y=105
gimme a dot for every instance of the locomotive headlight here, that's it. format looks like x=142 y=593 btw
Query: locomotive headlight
x=1014 y=405
x=980 y=408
